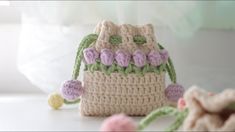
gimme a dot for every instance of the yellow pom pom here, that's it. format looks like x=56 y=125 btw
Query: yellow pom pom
x=55 y=100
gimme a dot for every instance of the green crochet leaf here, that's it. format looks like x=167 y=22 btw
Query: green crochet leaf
x=145 y=69
x=156 y=69
x=104 y=68
x=115 y=39
x=137 y=70
x=128 y=69
x=111 y=69
x=90 y=67
x=120 y=69
x=138 y=39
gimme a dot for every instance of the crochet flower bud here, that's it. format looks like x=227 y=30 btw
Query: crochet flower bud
x=55 y=100
x=107 y=57
x=164 y=56
x=90 y=55
x=118 y=123
x=139 y=58
x=122 y=58
x=72 y=89
x=174 y=91
x=154 y=58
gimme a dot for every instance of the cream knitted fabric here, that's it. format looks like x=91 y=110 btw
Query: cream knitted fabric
x=106 y=29
x=207 y=113
x=117 y=93
x=131 y=94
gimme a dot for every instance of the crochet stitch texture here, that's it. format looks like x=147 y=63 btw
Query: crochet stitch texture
x=132 y=94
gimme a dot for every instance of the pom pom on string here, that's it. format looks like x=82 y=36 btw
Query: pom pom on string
x=55 y=100
x=118 y=123
x=174 y=91
x=72 y=90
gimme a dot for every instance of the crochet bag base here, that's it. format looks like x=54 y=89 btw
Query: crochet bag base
x=116 y=93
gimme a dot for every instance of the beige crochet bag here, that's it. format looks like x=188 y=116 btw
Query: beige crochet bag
x=124 y=72
x=115 y=93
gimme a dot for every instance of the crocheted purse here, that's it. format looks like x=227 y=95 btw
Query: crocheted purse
x=124 y=73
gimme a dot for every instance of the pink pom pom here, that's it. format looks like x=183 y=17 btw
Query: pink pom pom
x=118 y=123
x=181 y=104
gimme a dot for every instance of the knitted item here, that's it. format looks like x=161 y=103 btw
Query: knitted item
x=118 y=93
x=72 y=89
x=55 y=100
x=174 y=92
x=124 y=72
x=90 y=55
x=118 y=123
x=154 y=58
x=197 y=111
x=209 y=113
x=139 y=58
x=107 y=57
x=123 y=58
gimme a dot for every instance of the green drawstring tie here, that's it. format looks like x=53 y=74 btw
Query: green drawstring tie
x=164 y=111
x=86 y=42
x=170 y=67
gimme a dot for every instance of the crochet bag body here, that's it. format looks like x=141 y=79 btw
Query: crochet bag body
x=117 y=91
x=124 y=72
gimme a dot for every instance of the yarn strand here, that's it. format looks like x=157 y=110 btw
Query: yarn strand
x=170 y=67
x=178 y=122
x=71 y=102
x=86 y=42
x=164 y=111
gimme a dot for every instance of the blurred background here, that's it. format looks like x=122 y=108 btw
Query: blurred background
x=38 y=39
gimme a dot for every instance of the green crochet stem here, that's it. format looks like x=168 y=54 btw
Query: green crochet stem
x=131 y=68
x=86 y=42
x=164 y=111
x=71 y=102
x=178 y=122
x=170 y=67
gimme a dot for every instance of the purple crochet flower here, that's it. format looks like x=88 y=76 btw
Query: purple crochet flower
x=107 y=57
x=72 y=89
x=164 y=55
x=90 y=55
x=154 y=58
x=174 y=91
x=139 y=58
x=122 y=58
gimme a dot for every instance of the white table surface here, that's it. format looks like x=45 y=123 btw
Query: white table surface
x=31 y=112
